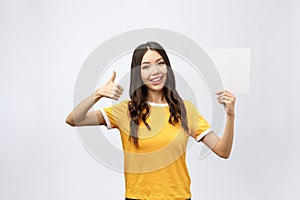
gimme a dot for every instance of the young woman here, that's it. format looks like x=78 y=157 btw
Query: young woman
x=155 y=124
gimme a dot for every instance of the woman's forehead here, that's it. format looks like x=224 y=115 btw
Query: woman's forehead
x=151 y=56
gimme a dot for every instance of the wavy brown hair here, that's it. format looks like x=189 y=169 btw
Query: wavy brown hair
x=138 y=107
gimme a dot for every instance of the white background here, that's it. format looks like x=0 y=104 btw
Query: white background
x=43 y=45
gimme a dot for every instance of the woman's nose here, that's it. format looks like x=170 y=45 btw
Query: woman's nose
x=155 y=69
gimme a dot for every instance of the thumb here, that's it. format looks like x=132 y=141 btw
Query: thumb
x=113 y=77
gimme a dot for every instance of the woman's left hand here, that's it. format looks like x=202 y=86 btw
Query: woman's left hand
x=228 y=100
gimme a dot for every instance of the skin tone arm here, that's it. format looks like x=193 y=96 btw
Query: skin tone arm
x=222 y=146
x=80 y=115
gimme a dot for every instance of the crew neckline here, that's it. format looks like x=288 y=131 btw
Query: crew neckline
x=158 y=104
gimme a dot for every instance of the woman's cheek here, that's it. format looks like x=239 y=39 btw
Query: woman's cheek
x=164 y=70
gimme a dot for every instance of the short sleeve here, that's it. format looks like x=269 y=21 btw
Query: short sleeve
x=198 y=125
x=114 y=114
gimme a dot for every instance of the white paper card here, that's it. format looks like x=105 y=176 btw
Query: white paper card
x=234 y=68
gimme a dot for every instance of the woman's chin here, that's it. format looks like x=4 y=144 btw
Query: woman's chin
x=155 y=88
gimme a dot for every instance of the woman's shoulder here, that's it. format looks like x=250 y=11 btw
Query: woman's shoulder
x=188 y=104
x=120 y=104
x=191 y=109
x=125 y=101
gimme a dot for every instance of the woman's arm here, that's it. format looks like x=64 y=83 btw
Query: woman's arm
x=222 y=147
x=80 y=115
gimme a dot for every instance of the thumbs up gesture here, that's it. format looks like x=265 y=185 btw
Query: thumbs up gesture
x=111 y=89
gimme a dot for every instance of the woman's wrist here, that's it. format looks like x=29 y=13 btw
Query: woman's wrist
x=231 y=115
x=97 y=96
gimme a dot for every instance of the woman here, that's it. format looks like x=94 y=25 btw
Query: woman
x=155 y=125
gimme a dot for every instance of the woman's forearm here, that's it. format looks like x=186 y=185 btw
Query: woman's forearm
x=80 y=111
x=225 y=143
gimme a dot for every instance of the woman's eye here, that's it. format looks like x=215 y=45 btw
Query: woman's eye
x=161 y=63
x=145 y=66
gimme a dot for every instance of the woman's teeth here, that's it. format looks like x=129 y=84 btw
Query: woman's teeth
x=156 y=79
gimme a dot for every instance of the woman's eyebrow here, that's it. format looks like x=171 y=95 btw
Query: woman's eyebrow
x=149 y=62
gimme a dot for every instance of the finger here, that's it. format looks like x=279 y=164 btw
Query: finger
x=227 y=97
x=221 y=96
x=228 y=92
x=113 y=77
x=230 y=97
x=220 y=100
x=224 y=102
x=227 y=100
x=115 y=96
x=219 y=92
x=118 y=91
x=120 y=87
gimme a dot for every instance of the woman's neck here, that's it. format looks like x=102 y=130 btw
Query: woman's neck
x=156 y=97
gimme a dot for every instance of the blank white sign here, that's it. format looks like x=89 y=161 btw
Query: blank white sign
x=234 y=68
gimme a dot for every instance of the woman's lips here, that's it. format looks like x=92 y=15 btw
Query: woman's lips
x=156 y=80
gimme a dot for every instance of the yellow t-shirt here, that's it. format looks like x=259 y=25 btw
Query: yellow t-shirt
x=156 y=170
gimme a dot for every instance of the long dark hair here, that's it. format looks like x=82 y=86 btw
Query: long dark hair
x=138 y=107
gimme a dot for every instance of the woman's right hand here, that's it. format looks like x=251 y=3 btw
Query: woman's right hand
x=80 y=115
x=110 y=89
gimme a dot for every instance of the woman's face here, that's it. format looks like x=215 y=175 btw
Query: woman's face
x=153 y=70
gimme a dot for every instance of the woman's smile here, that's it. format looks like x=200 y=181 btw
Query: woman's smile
x=157 y=80
x=153 y=71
